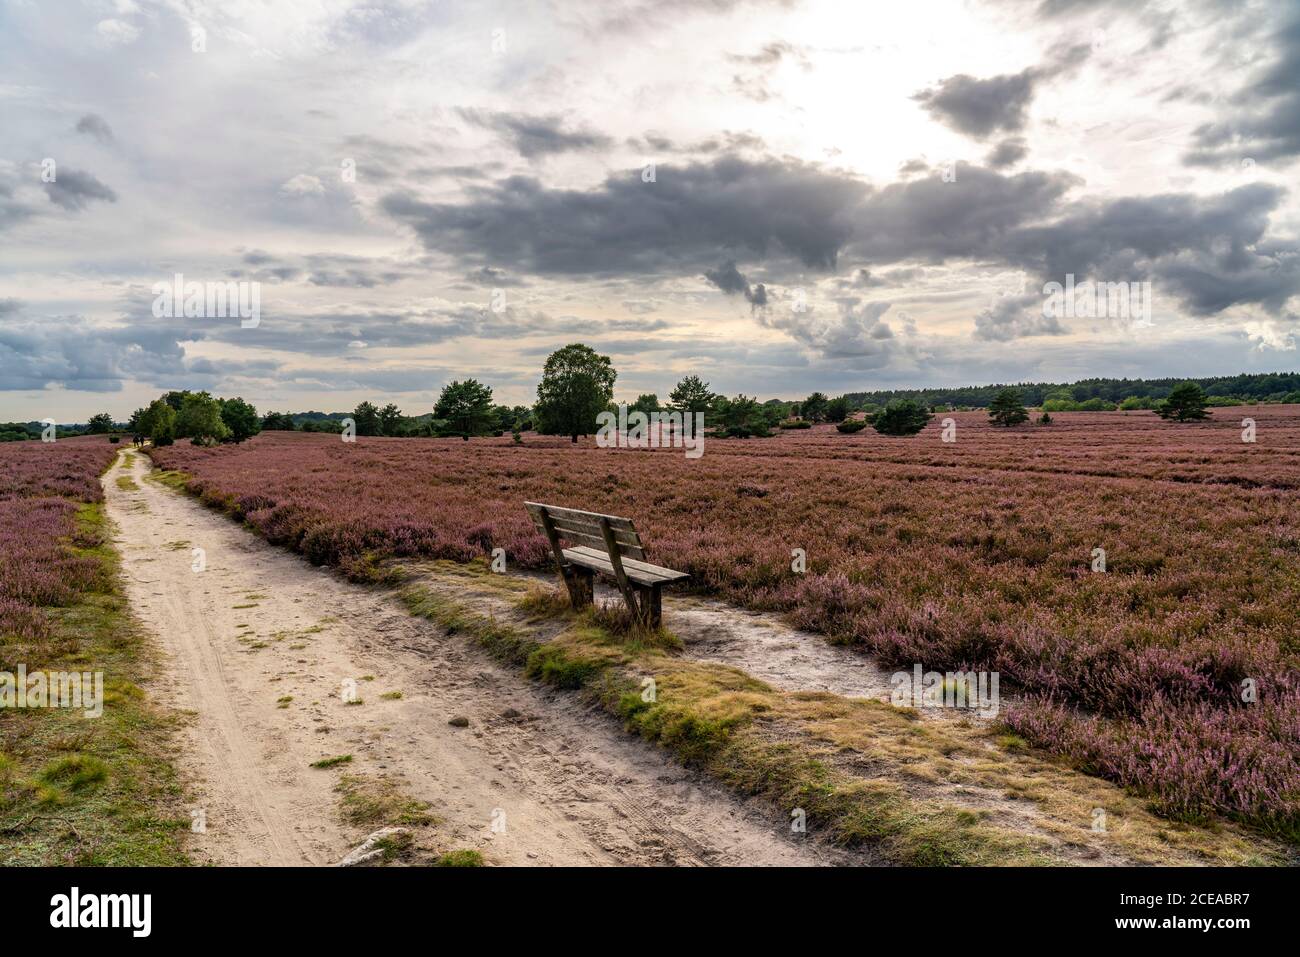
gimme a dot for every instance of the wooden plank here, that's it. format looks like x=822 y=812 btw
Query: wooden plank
x=570 y=583
x=629 y=543
x=643 y=573
x=646 y=568
x=623 y=536
x=620 y=576
x=577 y=514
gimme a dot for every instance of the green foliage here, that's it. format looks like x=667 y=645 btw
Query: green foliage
x=390 y=420
x=159 y=423
x=1007 y=408
x=814 y=407
x=901 y=417
x=199 y=419
x=466 y=407
x=692 y=395
x=743 y=417
x=1186 y=403
x=100 y=423
x=277 y=422
x=647 y=402
x=240 y=418
x=577 y=385
x=850 y=426
x=837 y=410
x=366 y=417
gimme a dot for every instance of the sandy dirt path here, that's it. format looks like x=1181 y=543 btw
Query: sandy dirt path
x=258 y=625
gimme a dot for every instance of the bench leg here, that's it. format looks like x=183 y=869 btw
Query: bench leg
x=581 y=585
x=651 y=605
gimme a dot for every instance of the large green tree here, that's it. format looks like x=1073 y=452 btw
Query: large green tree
x=577 y=385
x=390 y=420
x=1186 y=403
x=200 y=420
x=466 y=407
x=240 y=418
x=366 y=417
x=1008 y=408
x=692 y=395
x=100 y=423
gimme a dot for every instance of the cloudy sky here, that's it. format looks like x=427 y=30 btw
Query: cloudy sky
x=780 y=196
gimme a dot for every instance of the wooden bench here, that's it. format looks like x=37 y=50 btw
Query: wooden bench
x=609 y=545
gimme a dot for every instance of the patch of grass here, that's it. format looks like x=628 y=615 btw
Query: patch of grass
x=74 y=772
x=391 y=696
x=283 y=702
x=375 y=802
x=461 y=858
x=332 y=762
x=127 y=484
x=241 y=607
x=99 y=792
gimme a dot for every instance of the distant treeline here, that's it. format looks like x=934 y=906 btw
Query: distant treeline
x=1261 y=387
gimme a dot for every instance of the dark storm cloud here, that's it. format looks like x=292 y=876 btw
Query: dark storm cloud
x=75 y=190
x=1007 y=153
x=981 y=107
x=1263 y=122
x=1210 y=251
x=92 y=124
x=627 y=227
x=731 y=281
x=931 y=220
x=728 y=278
x=1207 y=251
x=536 y=136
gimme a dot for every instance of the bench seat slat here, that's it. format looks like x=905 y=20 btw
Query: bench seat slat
x=580 y=517
x=643 y=573
x=595 y=540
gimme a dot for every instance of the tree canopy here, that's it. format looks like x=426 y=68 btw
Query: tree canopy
x=577 y=385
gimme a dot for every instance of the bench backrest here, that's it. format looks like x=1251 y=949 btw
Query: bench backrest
x=585 y=528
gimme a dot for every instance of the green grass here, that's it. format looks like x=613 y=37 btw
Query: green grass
x=460 y=859
x=332 y=762
x=91 y=791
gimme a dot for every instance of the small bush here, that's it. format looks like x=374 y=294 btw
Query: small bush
x=850 y=426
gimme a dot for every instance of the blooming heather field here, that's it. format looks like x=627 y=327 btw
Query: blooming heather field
x=968 y=555
x=41 y=486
